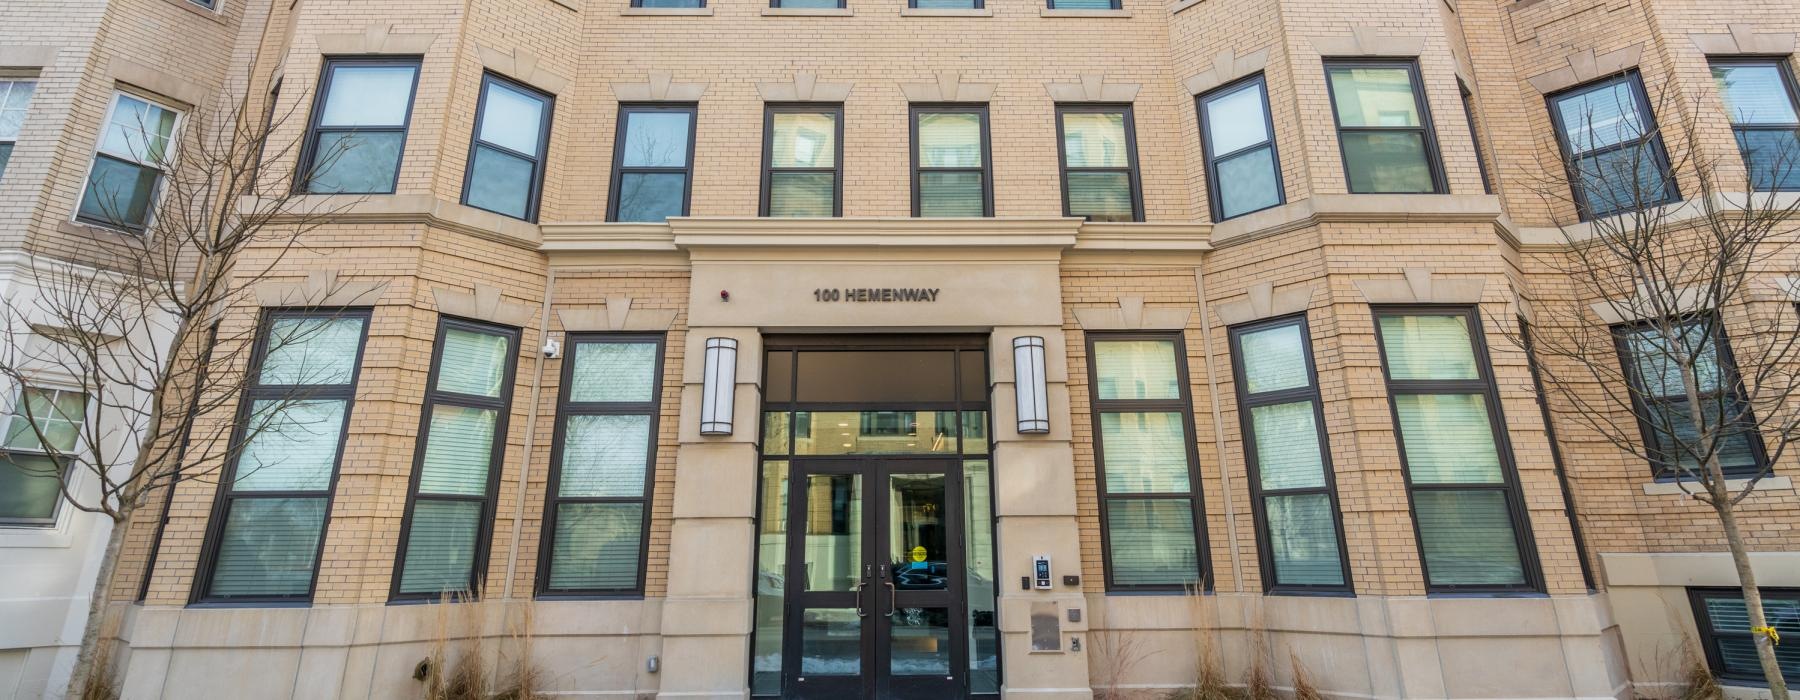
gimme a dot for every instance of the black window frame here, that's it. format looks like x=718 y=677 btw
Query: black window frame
x=1556 y=456
x=303 y=174
x=917 y=110
x=768 y=148
x=841 y=4
x=1728 y=377
x=226 y=493
x=620 y=170
x=978 y=5
x=1131 y=154
x=1427 y=128
x=566 y=408
x=1214 y=196
x=1651 y=138
x=1783 y=66
x=1184 y=405
x=1486 y=385
x=698 y=4
x=1253 y=467
x=1468 y=104
x=535 y=193
x=1709 y=638
x=502 y=406
x=1051 y=4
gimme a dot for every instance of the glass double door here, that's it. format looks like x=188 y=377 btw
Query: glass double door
x=875 y=580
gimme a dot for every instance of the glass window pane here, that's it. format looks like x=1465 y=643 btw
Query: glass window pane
x=771 y=577
x=833 y=508
x=500 y=182
x=1374 y=96
x=804 y=139
x=440 y=547
x=918 y=539
x=354 y=162
x=605 y=456
x=871 y=376
x=978 y=542
x=944 y=4
x=6 y=150
x=15 y=97
x=1100 y=196
x=919 y=642
x=1274 y=359
x=1136 y=369
x=1095 y=139
x=1287 y=446
x=596 y=546
x=1624 y=179
x=119 y=193
x=311 y=350
x=1600 y=117
x=58 y=414
x=1730 y=621
x=1386 y=162
x=614 y=372
x=1303 y=540
x=1082 y=4
x=802 y=194
x=1448 y=439
x=458 y=450
x=776 y=432
x=512 y=119
x=1773 y=157
x=368 y=96
x=1151 y=542
x=473 y=362
x=1468 y=538
x=951 y=194
x=830 y=642
x=29 y=489
x=291 y=445
x=656 y=139
x=950 y=140
x=651 y=197
x=139 y=131
x=1248 y=182
x=1236 y=120
x=267 y=547
x=1144 y=452
x=1755 y=93
x=1654 y=359
x=875 y=432
x=1736 y=456
x=1426 y=346
x=670 y=3
x=974 y=433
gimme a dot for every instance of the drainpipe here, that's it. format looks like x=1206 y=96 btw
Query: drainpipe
x=1212 y=388
x=537 y=384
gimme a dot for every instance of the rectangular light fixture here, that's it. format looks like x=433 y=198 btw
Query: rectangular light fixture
x=720 y=386
x=1028 y=384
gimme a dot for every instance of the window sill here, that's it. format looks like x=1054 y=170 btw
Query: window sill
x=1767 y=483
x=212 y=13
x=944 y=12
x=666 y=12
x=807 y=12
x=1090 y=14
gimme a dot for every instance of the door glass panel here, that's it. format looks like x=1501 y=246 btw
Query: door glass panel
x=978 y=536
x=874 y=432
x=833 y=532
x=918 y=544
x=830 y=642
x=919 y=642
x=771 y=576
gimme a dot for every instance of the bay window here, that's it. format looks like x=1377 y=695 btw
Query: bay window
x=505 y=174
x=1384 y=128
x=360 y=120
x=1610 y=146
x=1243 y=173
x=15 y=97
x=1764 y=107
x=137 y=146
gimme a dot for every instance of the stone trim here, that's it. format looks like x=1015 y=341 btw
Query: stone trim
x=1422 y=286
x=804 y=87
x=1369 y=41
x=1092 y=87
x=321 y=288
x=808 y=12
x=1765 y=484
x=949 y=87
x=1687 y=299
x=1683 y=569
x=27 y=56
x=665 y=12
x=1298 y=214
x=1585 y=66
x=944 y=12
x=402 y=209
x=1262 y=301
x=1083 y=14
x=1130 y=315
x=1226 y=67
x=1743 y=39
x=376 y=39
x=617 y=315
x=483 y=304
x=658 y=86
x=521 y=64
x=159 y=82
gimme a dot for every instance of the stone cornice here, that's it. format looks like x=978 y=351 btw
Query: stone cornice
x=402 y=209
x=1358 y=208
x=1053 y=235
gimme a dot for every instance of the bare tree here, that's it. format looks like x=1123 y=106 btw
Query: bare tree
x=1635 y=341
x=136 y=332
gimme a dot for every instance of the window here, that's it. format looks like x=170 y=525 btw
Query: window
x=15 y=97
x=1150 y=514
x=828 y=4
x=596 y=520
x=268 y=524
x=359 y=126
x=950 y=155
x=1085 y=4
x=1465 y=500
x=1294 y=491
x=1099 y=162
x=35 y=457
x=653 y=159
x=1384 y=128
x=670 y=4
x=1243 y=173
x=1610 y=147
x=1764 y=107
x=506 y=159
x=802 y=147
x=1468 y=105
x=947 y=4
x=1661 y=401
x=1556 y=457
x=1724 y=623
x=208 y=4
x=135 y=147
x=456 y=466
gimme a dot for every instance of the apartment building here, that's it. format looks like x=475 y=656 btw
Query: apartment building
x=918 y=348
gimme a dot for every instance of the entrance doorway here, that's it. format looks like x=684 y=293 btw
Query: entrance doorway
x=875 y=558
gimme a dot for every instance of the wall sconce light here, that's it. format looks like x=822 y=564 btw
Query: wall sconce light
x=1028 y=384
x=720 y=386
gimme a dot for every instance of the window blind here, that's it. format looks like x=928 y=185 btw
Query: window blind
x=1149 y=500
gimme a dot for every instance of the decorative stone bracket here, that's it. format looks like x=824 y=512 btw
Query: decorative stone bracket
x=805 y=87
x=659 y=86
x=1744 y=39
x=1264 y=301
x=1584 y=66
x=521 y=64
x=1130 y=315
x=321 y=288
x=1092 y=87
x=1226 y=67
x=484 y=304
x=1369 y=41
x=948 y=88
x=376 y=39
x=1422 y=286
x=1639 y=307
x=616 y=316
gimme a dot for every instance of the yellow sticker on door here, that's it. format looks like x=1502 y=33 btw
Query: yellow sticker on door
x=918 y=554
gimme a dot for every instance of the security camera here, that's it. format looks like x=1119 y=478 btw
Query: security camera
x=552 y=349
